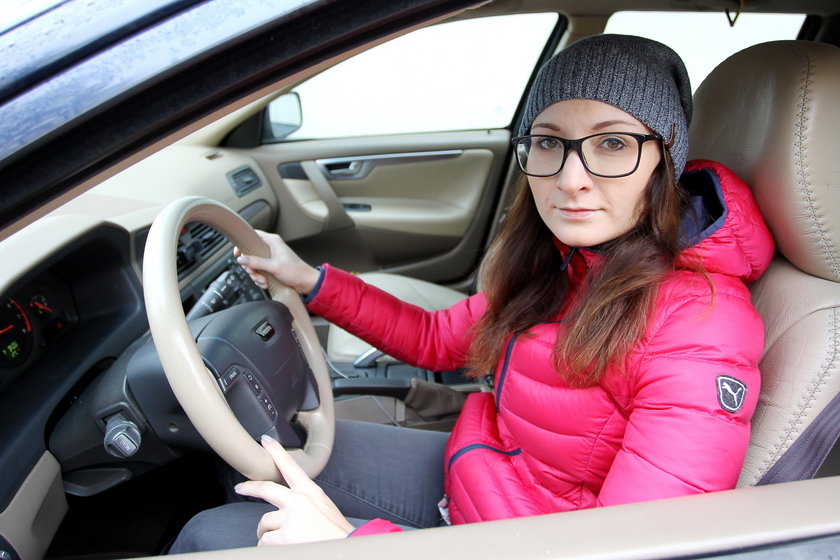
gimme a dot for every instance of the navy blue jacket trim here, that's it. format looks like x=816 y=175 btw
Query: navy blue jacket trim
x=503 y=373
x=707 y=211
x=314 y=293
x=474 y=446
x=508 y=352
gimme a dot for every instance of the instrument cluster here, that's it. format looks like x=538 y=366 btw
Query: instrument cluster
x=31 y=320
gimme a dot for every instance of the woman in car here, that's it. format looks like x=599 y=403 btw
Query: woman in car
x=614 y=317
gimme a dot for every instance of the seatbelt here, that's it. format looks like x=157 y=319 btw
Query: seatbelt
x=804 y=458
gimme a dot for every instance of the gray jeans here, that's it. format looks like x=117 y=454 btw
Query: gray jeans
x=374 y=471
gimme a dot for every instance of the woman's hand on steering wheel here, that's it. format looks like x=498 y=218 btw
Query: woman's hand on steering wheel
x=304 y=512
x=283 y=264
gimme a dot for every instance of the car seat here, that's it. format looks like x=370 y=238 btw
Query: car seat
x=771 y=113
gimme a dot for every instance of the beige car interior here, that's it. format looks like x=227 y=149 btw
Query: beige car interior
x=426 y=406
x=770 y=113
x=344 y=347
x=774 y=128
x=366 y=206
x=195 y=388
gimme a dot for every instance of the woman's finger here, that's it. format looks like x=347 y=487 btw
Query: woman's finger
x=259 y=279
x=274 y=538
x=271 y=492
x=252 y=262
x=271 y=521
x=293 y=474
x=267 y=237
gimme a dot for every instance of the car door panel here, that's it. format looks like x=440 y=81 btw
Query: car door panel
x=431 y=193
x=417 y=204
x=33 y=516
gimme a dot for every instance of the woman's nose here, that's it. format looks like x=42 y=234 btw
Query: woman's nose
x=573 y=177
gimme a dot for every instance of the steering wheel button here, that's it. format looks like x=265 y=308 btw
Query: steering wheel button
x=265 y=330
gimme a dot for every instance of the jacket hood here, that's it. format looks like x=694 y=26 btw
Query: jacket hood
x=723 y=228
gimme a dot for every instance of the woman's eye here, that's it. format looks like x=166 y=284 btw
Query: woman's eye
x=548 y=143
x=612 y=143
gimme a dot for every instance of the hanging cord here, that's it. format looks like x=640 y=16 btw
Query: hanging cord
x=729 y=16
x=333 y=367
x=385 y=412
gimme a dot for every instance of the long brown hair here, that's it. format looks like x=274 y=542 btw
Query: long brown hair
x=523 y=283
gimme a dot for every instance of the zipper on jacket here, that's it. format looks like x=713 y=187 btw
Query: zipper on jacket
x=508 y=352
x=503 y=373
x=473 y=446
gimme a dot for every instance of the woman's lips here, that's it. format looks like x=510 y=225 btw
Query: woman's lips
x=576 y=213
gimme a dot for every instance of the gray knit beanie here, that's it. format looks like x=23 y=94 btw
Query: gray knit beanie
x=639 y=76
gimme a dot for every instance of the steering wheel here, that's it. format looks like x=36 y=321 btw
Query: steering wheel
x=197 y=389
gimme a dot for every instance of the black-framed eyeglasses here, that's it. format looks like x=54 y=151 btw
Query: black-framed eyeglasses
x=607 y=154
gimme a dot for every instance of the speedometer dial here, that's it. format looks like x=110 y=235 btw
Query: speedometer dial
x=15 y=334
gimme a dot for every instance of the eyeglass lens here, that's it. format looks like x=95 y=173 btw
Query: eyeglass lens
x=603 y=154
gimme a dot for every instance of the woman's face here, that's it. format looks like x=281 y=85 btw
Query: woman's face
x=579 y=208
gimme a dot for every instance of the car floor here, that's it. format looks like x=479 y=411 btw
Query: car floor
x=141 y=517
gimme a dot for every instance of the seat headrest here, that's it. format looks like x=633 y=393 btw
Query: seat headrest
x=771 y=113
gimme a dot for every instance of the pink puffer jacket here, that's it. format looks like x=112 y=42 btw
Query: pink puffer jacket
x=676 y=423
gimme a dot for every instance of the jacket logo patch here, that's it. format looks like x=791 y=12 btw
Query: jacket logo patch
x=731 y=393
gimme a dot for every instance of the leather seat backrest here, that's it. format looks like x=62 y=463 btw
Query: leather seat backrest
x=771 y=113
x=344 y=347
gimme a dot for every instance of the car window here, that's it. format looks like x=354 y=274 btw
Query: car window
x=461 y=75
x=705 y=40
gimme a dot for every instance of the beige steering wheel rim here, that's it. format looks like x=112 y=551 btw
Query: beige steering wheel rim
x=194 y=386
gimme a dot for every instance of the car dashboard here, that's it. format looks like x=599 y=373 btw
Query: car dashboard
x=71 y=296
x=32 y=321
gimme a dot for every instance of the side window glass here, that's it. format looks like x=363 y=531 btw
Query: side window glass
x=704 y=40
x=462 y=75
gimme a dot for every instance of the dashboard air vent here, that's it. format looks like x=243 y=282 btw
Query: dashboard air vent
x=244 y=180
x=197 y=242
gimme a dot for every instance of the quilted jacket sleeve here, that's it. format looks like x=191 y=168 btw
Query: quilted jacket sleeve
x=432 y=340
x=695 y=391
x=375 y=527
